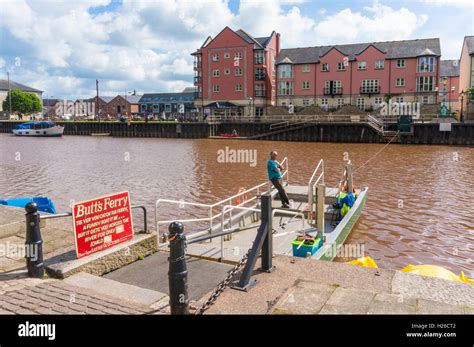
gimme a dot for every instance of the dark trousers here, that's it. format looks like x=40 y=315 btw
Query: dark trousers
x=281 y=191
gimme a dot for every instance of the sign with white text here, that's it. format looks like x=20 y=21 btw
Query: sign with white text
x=102 y=223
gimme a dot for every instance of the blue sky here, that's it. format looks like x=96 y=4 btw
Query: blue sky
x=62 y=47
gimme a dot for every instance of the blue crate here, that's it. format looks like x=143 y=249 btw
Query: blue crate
x=306 y=248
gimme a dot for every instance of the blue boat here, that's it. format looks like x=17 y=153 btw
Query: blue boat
x=44 y=203
x=38 y=129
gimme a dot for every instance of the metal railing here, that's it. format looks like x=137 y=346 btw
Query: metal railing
x=256 y=191
x=311 y=186
x=69 y=214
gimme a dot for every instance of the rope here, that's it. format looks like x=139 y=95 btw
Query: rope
x=376 y=154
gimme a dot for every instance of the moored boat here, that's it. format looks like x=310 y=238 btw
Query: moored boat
x=40 y=129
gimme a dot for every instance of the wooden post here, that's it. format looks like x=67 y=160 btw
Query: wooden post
x=321 y=197
x=349 y=177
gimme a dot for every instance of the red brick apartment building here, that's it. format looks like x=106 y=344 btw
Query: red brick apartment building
x=235 y=73
x=359 y=74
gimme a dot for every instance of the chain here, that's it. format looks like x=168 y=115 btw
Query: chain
x=223 y=285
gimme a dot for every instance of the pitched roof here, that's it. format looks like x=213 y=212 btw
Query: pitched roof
x=167 y=97
x=392 y=49
x=449 y=68
x=469 y=41
x=15 y=85
x=133 y=99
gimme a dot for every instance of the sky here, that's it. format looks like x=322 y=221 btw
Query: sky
x=62 y=47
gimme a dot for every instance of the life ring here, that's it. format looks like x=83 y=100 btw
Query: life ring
x=238 y=199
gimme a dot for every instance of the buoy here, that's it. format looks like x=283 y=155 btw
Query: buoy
x=364 y=261
x=438 y=272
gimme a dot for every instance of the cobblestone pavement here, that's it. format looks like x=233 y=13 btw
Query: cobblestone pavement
x=22 y=295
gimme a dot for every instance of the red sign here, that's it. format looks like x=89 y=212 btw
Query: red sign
x=102 y=223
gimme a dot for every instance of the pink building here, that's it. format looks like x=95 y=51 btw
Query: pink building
x=466 y=76
x=359 y=74
x=235 y=73
x=449 y=73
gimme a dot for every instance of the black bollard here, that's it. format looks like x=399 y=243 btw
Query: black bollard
x=178 y=273
x=33 y=243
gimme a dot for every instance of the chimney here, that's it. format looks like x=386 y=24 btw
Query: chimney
x=278 y=43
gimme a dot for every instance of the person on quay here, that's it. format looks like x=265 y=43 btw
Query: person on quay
x=275 y=170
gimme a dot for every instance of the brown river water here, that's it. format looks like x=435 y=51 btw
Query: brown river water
x=419 y=209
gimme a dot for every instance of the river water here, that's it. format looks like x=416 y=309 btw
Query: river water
x=419 y=209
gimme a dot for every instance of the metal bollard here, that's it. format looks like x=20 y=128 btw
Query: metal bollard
x=33 y=242
x=178 y=273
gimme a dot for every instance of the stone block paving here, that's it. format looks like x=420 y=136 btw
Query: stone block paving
x=22 y=295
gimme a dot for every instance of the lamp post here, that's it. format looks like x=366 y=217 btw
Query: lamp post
x=443 y=105
x=461 y=116
x=250 y=106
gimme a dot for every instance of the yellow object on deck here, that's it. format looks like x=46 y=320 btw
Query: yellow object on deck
x=437 y=271
x=365 y=261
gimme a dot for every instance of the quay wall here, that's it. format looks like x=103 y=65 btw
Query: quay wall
x=423 y=133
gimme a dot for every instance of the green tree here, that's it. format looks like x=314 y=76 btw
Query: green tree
x=22 y=102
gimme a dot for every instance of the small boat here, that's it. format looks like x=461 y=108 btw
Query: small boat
x=45 y=129
x=229 y=135
x=44 y=203
x=100 y=134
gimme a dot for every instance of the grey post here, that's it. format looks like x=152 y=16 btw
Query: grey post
x=178 y=272
x=263 y=242
x=33 y=242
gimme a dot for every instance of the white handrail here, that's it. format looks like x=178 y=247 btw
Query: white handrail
x=293 y=213
x=311 y=186
x=211 y=217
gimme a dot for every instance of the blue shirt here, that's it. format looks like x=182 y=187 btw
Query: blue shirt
x=272 y=167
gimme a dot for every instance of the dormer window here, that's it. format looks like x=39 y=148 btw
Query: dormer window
x=285 y=71
x=426 y=64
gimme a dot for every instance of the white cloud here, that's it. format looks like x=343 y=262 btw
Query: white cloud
x=452 y=3
x=380 y=23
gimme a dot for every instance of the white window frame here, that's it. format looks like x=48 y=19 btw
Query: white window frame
x=399 y=99
x=401 y=80
x=360 y=103
x=362 y=65
x=305 y=102
x=215 y=57
x=324 y=101
x=226 y=71
x=340 y=102
x=305 y=85
x=216 y=88
x=341 y=66
x=306 y=68
x=426 y=64
x=238 y=87
x=226 y=55
x=325 y=67
x=401 y=64
x=423 y=83
x=238 y=55
x=378 y=100
x=238 y=69
x=215 y=73
x=370 y=86
x=285 y=71
x=379 y=64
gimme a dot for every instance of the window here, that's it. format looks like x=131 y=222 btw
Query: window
x=426 y=64
x=379 y=64
x=400 y=63
x=260 y=90
x=285 y=71
x=325 y=67
x=340 y=102
x=215 y=88
x=285 y=88
x=215 y=57
x=377 y=101
x=167 y=108
x=426 y=99
x=156 y=107
x=341 y=67
x=400 y=82
x=305 y=102
x=238 y=71
x=226 y=55
x=399 y=99
x=238 y=87
x=260 y=74
x=370 y=86
x=259 y=57
x=360 y=103
x=305 y=85
x=324 y=103
x=259 y=111
x=306 y=68
x=215 y=73
x=238 y=55
x=425 y=84
x=361 y=65
x=226 y=71
x=332 y=87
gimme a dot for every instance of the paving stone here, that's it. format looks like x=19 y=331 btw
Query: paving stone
x=435 y=307
x=392 y=304
x=349 y=301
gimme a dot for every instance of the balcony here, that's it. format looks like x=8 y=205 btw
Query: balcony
x=197 y=79
x=332 y=91
x=197 y=65
x=370 y=90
